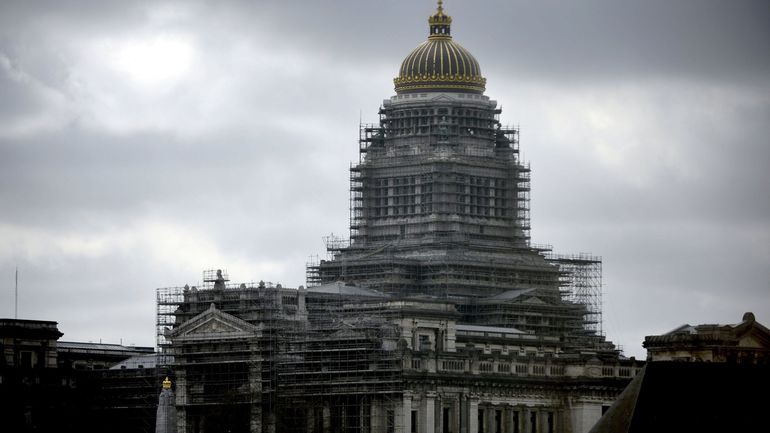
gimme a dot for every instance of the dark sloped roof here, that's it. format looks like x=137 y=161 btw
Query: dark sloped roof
x=692 y=397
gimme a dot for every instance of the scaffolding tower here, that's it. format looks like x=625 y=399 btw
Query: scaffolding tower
x=581 y=283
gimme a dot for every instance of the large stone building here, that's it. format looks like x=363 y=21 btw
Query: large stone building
x=702 y=378
x=47 y=385
x=746 y=342
x=437 y=316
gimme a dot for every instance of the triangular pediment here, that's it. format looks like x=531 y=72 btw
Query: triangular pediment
x=754 y=336
x=442 y=97
x=346 y=333
x=533 y=300
x=214 y=324
x=751 y=333
x=510 y=296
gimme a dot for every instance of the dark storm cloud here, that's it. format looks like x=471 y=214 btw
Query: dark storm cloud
x=580 y=40
x=141 y=142
x=622 y=40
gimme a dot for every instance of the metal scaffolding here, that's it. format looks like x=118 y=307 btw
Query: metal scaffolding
x=581 y=282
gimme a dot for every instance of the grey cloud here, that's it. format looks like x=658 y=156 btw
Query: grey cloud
x=245 y=161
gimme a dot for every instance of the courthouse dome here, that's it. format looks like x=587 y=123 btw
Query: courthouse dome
x=440 y=64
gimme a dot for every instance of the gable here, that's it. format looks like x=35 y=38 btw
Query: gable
x=751 y=333
x=533 y=300
x=214 y=324
x=347 y=333
x=441 y=97
x=754 y=338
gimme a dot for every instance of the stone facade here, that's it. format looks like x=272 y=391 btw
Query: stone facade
x=747 y=341
x=704 y=378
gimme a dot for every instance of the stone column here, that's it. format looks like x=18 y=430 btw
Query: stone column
x=327 y=418
x=506 y=423
x=373 y=417
x=301 y=306
x=310 y=419
x=428 y=415
x=255 y=418
x=584 y=416
x=526 y=413
x=181 y=420
x=270 y=427
x=491 y=420
x=181 y=401
x=405 y=414
x=255 y=389
x=473 y=415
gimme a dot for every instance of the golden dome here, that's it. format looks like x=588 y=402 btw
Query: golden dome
x=440 y=64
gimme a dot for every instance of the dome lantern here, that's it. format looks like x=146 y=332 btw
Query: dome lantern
x=439 y=22
x=440 y=64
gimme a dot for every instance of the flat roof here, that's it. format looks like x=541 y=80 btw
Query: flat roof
x=78 y=346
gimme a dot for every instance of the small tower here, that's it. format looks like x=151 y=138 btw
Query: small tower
x=165 y=422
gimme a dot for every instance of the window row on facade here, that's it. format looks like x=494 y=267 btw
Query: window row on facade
x=489 y=419
x=428 y=178
x=427 y=208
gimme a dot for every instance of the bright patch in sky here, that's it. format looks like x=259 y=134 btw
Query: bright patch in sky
x=161 y=59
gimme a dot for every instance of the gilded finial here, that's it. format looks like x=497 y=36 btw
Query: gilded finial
x=440 y=8
x=166 y=383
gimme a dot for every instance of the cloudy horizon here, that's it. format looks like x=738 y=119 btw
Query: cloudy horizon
x=143 y=142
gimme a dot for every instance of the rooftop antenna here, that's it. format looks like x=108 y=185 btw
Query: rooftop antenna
x=16 y=297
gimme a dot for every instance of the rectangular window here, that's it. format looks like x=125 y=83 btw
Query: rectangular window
x=516 y=428
x=424 y=342
x=446 y=420
x=550 y=422
x=499 y=421
x=26 y=359
x=533 y=422
x=318 y=420
x=414 y=421
x=481 y=421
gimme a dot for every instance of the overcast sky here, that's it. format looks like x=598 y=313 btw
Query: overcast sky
x=143 y=142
